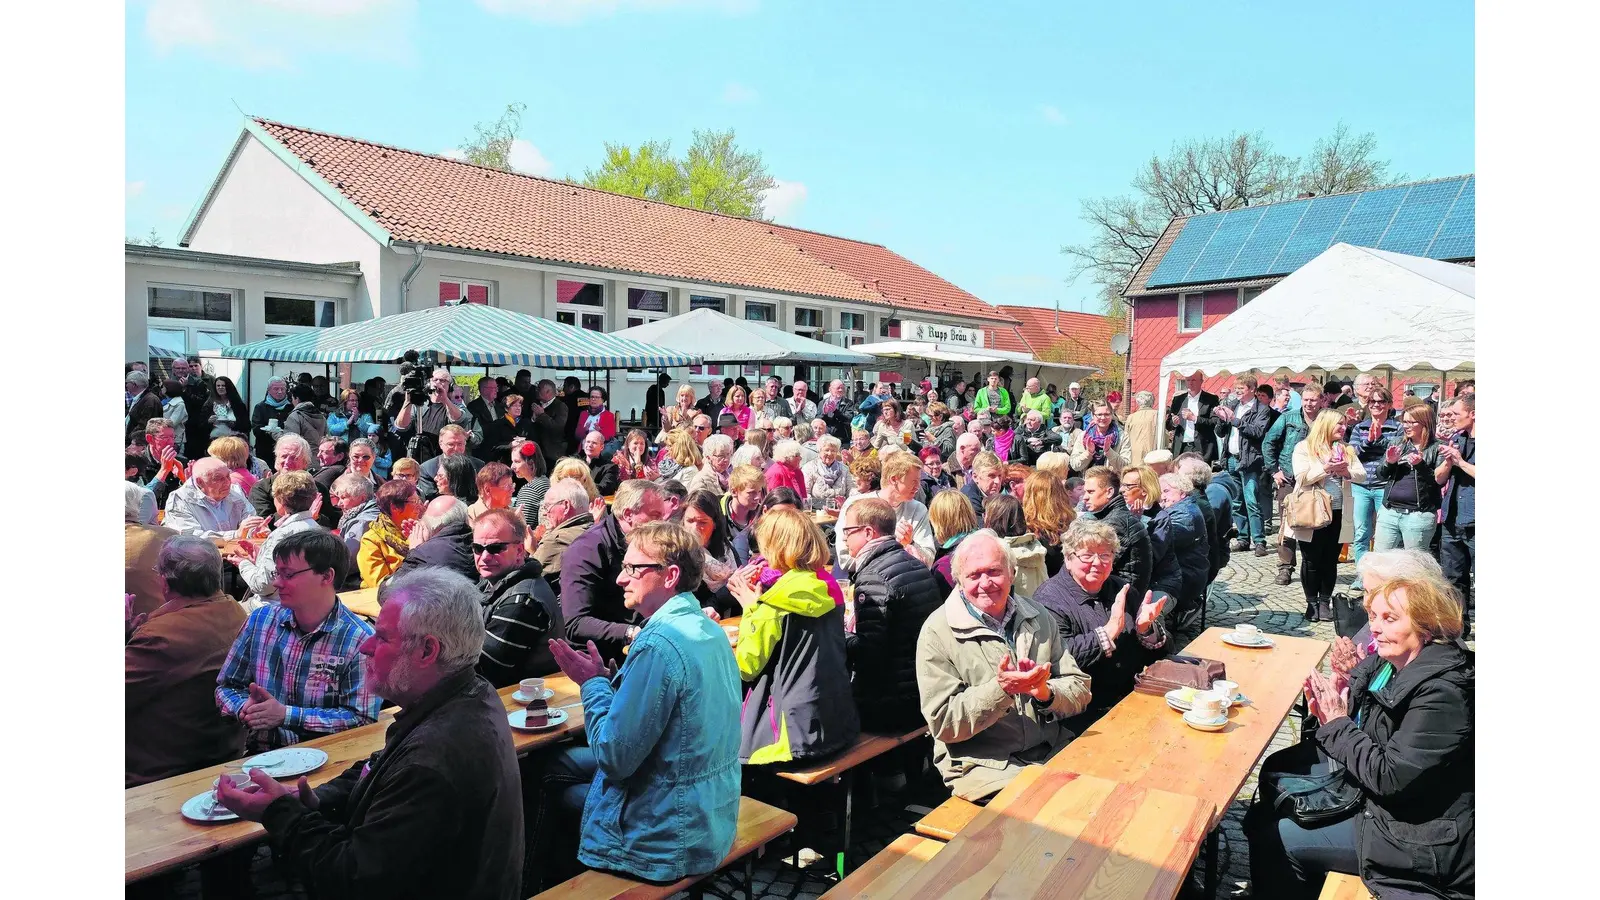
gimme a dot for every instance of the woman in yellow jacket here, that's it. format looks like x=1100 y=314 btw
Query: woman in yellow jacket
x=385 y=543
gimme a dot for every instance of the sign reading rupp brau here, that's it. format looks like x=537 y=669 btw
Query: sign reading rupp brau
x=941 y=334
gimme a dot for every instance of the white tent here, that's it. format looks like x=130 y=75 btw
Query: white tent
x=719 y=338
x=961 y=353
x=1350 y=308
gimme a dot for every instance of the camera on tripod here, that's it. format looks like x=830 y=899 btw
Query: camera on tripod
x=414 y=378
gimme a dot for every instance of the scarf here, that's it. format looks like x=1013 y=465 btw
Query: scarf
x=276 y=404
x=389 y=535
x=1101 y=440
x=770 y=576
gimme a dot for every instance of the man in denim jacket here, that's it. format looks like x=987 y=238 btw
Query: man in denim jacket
x=663 y=753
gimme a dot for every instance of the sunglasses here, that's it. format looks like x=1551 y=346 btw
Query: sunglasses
x=494 y=549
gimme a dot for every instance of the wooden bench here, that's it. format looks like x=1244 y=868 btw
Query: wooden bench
x=759 y=825
x=947 y=819
x=1340 y=886
x=840 y=768
x=889 y=871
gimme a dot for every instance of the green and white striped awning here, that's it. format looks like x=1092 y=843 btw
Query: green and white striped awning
x=467 y=334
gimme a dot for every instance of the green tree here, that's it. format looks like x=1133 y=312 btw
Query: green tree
x=491 y=143
x=714 y=175
x=1209 y=175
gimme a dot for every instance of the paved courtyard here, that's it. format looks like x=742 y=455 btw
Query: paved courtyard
x=1244 y=592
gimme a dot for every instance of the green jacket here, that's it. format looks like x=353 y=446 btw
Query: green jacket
x=982 y=401
x=1041 y=402
x=791 y=651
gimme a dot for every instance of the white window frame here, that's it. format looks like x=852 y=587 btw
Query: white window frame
x=727 y=302
x=883 y=328
x=463 y=282
x=192 y=327
x=1183 y=304
x=273 y=331
x=579 y=310
x=818 y=328
x=644 y=316
x=762 y=303
x=1254 y=293
x=853 y=336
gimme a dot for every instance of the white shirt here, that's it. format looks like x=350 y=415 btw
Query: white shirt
x=1239 y=412
x=1193 y=405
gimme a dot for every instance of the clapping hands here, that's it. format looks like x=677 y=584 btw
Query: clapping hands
x=1326 y=700
x=1025 y=677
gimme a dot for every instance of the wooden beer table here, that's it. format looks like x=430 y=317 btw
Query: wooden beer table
x=1060 y=834
x=157 y=838
x=363 y=602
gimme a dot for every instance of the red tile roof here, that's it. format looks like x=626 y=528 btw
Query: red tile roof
x=443 y=202
x=1082 y=337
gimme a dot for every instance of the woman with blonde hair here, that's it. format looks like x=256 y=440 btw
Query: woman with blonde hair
x=737 y=404
x=1047 y=508
x=577 y=470
x=1141 y=490
x=1055 y=463
x=679 y=416
x=952 y=518
x=791 y=647
x=1324 y=462
x=234 y=452
x=681 y=459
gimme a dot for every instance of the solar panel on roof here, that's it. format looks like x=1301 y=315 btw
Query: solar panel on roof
x=1433 y=219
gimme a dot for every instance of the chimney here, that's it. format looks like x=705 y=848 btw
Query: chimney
x=1307 y=195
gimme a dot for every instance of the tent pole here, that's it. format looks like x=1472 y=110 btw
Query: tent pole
x=1161 y=414
x=1390 y=384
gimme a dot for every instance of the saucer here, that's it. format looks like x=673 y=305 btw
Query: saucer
x=203 y=808
x=1236 y=639
x=287 y=762
x=519 y=720
x=520 y=697
x=1181 y=698
x=1194 y=721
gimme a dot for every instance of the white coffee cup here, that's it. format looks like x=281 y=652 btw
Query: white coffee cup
x=1247 y=630
x=1209 y=704
x=1228 y=689
x=531 y=687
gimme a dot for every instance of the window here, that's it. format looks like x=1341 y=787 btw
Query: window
x=1191 y=312
x=852 y=321
x=889 y=328
x=807 y=318
x=705 y=301
x=581 y=304
x=300 y=312
x=469 y=291
x=1248 y=294
x=646 y=306
x=760 y=312
x=191 y=303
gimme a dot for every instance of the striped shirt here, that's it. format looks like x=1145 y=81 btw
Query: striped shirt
x=317 y=676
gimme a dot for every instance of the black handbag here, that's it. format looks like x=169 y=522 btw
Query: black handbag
x=1349 y=615
x=1313 y=800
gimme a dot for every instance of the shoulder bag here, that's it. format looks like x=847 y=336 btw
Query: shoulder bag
x=1308 y=506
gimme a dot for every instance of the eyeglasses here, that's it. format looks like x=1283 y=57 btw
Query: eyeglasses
x=702 y=428
x=409 y=476
x=849 y=528
x=281 y=575
x=494 y=549
x=634 y=570
x=1090 y=559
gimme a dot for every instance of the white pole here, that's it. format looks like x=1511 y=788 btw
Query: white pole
x=1161 y=413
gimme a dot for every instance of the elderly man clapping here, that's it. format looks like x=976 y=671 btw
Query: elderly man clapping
x=995 y=677
x=209 y=505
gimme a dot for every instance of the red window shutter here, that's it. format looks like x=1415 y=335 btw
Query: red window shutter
x=894 y=329
x=695 y=370
x=477 y=293
x=448 y=291
x=766 y=370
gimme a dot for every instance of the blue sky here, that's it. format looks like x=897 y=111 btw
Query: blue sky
x=961 y=135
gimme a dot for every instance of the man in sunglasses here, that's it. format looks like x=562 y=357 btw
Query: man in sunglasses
x=700 y=428
x=520 y=611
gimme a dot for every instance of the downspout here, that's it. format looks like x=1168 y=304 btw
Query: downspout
x=405 y=281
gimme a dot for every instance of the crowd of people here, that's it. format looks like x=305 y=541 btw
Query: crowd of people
x=995 y=565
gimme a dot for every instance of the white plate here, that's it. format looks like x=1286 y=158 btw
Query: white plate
x=1238 y=640
x=519 y=720
x=1176 y=701
x=199 y=809
x=520 y=697
x=287 y=762
x=1193 y=721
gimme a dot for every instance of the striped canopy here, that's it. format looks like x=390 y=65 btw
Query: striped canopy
x=468 y=334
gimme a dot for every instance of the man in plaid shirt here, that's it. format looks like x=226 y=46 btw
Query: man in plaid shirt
x=294 y=672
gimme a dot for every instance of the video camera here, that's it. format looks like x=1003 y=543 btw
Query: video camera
x=414 y=378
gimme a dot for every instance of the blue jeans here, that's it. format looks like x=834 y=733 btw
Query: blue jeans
x=1411 y=530
x=1367 y=502
x=1247 y=508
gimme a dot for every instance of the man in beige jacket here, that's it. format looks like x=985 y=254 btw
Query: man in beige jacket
x=1144 y=432
x=995 y=679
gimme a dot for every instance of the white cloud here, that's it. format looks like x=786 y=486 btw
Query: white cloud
x=270 y=34
x=135 y=188
x=1052 y=114
x=525 y=158
x=570 y=12
x=736 y=93
x=783 y=200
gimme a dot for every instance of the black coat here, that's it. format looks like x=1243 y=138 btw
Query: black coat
x=520 y=616
x=1208 y=523
x=895 y=594
x=1205 y=423
x=591 y=599
x=1078 y=613
x=1182 y=531
x=450 y=547
x=1252 y=430
x=498 y=433
x=1166 y=574
x=606 y=475
x=1133 y=547
x=264 y=413
x=1026 y=454
x=975 y=497
x=1414 y=756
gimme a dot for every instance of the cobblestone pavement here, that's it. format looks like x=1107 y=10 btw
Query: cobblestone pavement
x=1244 y=592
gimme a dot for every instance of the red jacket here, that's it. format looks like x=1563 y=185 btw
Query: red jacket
x=607 y=426
x=780 y=475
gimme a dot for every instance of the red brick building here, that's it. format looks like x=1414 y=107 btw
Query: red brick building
x=1204 y=267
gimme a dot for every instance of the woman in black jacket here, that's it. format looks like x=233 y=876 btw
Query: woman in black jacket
x=266 y=421
x=1103 y=502
x=1411 y=501
x=1402 y=732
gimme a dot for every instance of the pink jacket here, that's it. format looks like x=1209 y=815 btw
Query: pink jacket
x=780 y=475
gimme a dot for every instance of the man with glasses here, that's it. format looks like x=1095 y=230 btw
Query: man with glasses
x=591 y=597
x=700 y=428
x=295 y=672
x=294 y=498
x=657 y=787
x=520 y=612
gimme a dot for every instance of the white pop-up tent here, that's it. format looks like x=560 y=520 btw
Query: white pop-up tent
x=719 y=338
x=1349 y=308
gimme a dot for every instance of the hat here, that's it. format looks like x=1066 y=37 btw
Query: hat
x=1157 y=457
x=1074 y=387
x=727 y=420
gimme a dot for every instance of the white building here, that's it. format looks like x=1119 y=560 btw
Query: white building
x=414 y=230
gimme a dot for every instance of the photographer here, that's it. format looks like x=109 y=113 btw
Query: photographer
x=424 y=412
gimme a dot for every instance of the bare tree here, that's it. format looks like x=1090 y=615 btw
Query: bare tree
x=491 y=143
x=1204 y=175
